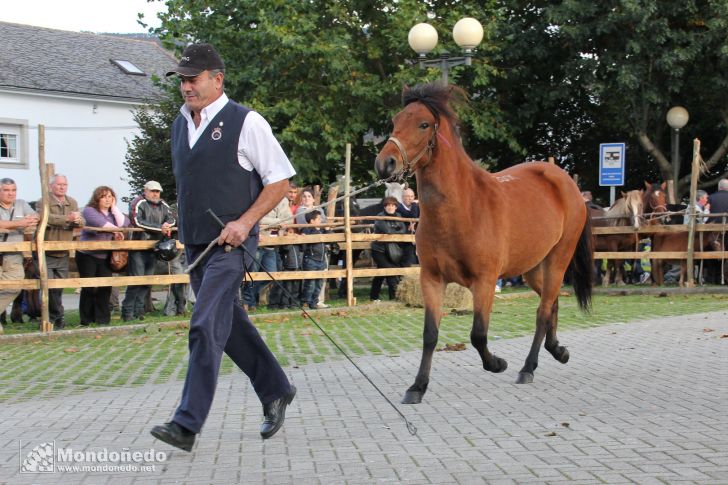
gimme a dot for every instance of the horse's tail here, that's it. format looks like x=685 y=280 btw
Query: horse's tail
x=582 y=266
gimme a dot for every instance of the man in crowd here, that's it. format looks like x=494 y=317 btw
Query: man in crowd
x=16 y=216
x=151 y=213
x=226 y=159
x=718 y=202
x=63 y=217
x=267 y=256
x=409 y=209
x=292 y=196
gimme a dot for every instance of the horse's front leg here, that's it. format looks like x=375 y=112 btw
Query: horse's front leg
x=433 y=289
x=483 y=294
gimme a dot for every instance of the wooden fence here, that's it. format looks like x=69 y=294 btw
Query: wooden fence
x=347 y=241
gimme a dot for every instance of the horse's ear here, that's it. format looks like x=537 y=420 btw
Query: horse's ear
x=624 y=194
x=647 y=185
x=663 y=185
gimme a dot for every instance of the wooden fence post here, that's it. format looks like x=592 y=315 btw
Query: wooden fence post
x=691 y=212
x=45 y=324
x=350 y=300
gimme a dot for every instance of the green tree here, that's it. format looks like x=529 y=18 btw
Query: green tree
x=322 y=73
x=148 y=155
x=637 y=58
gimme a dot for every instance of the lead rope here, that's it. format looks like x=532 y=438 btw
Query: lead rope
x=326 y=204
x=410 y=427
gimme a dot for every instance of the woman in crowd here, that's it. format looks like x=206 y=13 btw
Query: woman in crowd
x=307 y=201
x=102 y=212
x=387 y=254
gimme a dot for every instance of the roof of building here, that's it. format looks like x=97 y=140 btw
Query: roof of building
x=72 y=63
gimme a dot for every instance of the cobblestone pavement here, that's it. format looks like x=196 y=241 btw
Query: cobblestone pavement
x=638 y=403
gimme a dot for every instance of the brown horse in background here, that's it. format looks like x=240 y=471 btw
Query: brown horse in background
x=475 y=226
x=678 y=241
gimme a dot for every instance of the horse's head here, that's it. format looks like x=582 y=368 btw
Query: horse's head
x=394 y=189
x=655 y=198
x=415 y=133
x=629 y=206
x=635 y=207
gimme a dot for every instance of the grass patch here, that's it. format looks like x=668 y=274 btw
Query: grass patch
x=45 y=368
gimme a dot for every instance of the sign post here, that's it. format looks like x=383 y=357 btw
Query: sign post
x=611 y=167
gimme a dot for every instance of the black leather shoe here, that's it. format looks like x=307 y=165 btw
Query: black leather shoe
x=175 y=435
x=275 y=414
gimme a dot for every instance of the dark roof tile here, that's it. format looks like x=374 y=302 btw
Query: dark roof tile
x=37 y=58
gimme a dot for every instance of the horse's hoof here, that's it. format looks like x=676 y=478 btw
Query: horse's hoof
x=499 y=365
x=524 y=378
x=564 y=357
x=561 y=354
x=412 y=397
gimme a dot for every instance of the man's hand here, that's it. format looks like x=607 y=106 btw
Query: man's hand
x=235 y=233
x=29 y=221
x=74 y=218
x=167 y=229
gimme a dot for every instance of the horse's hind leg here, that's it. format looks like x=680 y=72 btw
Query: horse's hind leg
x=547 y=287
x=432 y=294
x=482 y=305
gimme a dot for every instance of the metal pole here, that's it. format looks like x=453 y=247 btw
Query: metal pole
x=612 y=195
x=675 y=164
x=445 y=66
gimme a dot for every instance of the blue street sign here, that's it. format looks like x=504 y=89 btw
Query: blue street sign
x=612 y=159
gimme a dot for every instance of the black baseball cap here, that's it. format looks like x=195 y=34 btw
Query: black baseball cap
x=197 y=58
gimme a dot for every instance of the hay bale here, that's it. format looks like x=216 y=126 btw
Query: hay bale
x=410 y=293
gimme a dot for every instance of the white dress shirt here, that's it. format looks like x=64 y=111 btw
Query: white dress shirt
x=258 y=149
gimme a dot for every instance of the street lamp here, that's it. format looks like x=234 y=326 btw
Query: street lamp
x=467 y=33
x=677 y=117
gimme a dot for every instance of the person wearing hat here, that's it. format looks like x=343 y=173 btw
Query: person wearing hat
x=226 y=159
x=149 y=212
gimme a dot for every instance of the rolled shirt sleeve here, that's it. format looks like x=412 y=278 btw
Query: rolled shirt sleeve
x=258 y=149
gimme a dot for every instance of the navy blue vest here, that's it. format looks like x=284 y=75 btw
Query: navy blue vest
x=209 y=175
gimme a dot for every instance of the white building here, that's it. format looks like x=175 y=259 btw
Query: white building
x=83 y=87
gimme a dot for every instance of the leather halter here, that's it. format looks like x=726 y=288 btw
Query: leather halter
x=409 y=166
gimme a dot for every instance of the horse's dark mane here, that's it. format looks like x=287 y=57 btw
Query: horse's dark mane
x=438 y=97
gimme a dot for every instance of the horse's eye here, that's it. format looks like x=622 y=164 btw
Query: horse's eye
x=424 y=125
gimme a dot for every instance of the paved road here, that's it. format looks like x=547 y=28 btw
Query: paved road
x=639 y=403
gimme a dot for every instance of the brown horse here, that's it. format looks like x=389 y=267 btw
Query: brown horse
x=678 y=241
x=475 y=226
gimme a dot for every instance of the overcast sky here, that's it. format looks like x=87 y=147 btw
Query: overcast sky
x=78 y=15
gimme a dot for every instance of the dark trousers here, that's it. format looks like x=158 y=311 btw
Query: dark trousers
x=290 y=297
x=57 y=268
x=94 y=303
x=312 y=288
x=275 y=295
x=382 y=261
x=141 y=263
x=219 y=324
x=265 y=261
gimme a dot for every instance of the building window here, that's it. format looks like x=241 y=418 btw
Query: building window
x=13 y=143
x=8 y=147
